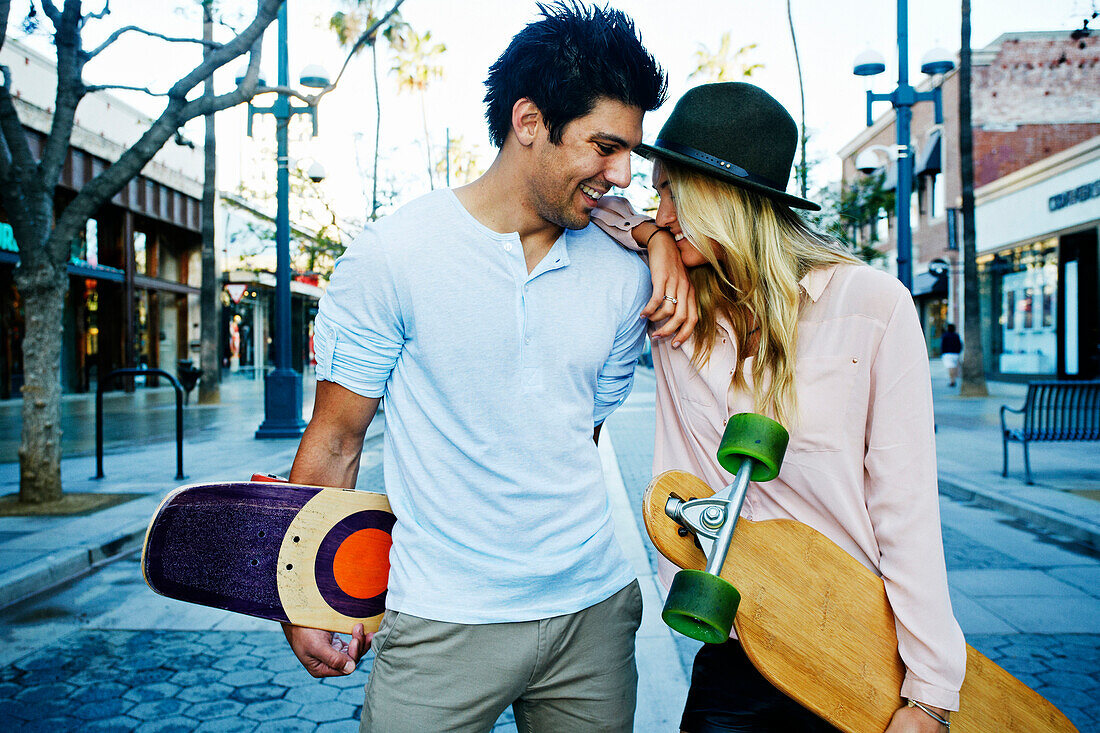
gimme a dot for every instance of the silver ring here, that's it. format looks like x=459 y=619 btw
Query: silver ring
x=672 y=300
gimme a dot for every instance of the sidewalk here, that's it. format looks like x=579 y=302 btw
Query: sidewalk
x=37 y=553
x=1066 y=496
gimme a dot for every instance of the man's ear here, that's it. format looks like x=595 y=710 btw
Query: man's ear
x=526 y=121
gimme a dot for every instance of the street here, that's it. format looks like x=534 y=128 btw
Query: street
x=105 y=653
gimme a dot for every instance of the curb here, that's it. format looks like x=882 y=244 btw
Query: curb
x=64 y=565
x=1043 y=517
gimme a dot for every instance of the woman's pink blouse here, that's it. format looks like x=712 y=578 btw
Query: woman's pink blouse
x=861 y=463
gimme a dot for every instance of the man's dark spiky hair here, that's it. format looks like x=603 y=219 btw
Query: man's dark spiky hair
x=566 y=62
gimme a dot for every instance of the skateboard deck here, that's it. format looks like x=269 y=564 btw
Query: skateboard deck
x=817 y=624
x=305 y=555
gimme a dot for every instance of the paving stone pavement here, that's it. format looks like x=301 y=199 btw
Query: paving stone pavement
x=104 y=653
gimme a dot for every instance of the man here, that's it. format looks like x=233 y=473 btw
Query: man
x=502 y=330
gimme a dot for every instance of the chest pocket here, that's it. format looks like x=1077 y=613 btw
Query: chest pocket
x=825 y=385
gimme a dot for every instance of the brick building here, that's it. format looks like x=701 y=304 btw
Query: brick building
x=1036 y=120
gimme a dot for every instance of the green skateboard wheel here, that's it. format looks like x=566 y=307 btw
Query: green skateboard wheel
x=701 y=606
x=760 y=438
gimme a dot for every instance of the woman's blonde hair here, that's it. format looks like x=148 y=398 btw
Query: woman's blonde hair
x=758 y=251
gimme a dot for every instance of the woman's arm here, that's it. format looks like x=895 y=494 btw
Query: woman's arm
x=640 y=234
x=903 y=503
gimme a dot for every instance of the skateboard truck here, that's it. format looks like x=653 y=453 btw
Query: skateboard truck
x=712 y=520
x=701 y=604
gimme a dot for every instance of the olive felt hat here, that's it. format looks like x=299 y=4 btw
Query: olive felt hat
x=736 y=132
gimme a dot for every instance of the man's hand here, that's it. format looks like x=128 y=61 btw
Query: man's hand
x=915 y=720
x=670 y=279
x=325 y=654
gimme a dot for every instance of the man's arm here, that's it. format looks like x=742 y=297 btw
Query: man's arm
x=333 y=442
x=329 y=456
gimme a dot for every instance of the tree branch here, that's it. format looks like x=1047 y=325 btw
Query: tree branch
x=137 y=29
x=367 y=36
x=96 y=16
x=176 y=113
x=15 y=137
x=266 y=11
x=290 y=92
x=5 y=9
x=51 y=11
x=70 y=89
x=101 y=87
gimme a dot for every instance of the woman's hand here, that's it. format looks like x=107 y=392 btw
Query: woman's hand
x=915 y=720
x=670 y=281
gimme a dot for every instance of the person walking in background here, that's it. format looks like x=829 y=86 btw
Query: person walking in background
x=951 y=347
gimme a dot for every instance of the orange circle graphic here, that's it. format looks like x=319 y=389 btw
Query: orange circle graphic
x=362 y=563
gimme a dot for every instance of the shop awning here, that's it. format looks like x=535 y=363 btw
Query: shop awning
x=80 y=268
x=930 y=160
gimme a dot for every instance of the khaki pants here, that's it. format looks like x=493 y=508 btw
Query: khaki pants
x=567 y=673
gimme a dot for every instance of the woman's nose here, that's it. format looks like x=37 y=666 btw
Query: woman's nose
x=666 y=213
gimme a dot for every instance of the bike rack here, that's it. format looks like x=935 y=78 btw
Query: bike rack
x=99 y=415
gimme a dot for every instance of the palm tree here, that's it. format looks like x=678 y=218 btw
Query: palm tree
x=415 y=66
x=349 y=27
x=973 y=366
x=723 y=64
x=803 y=172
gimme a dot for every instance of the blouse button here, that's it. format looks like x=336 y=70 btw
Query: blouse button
x=855 y=361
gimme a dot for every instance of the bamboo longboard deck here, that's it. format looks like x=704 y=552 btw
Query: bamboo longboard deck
x=305 y=555
x=818 y=625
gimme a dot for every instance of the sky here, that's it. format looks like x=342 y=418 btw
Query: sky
x=830 y=34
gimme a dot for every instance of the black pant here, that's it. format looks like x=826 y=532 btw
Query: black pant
x=728 y=694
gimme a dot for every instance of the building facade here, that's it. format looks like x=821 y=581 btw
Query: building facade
x=1034 y=123
x=1037 y=259
x=244 y=236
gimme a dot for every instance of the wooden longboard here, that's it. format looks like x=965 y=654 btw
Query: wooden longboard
x=305 y=555
x=818 y=625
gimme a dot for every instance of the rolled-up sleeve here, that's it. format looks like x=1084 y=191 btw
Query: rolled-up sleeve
x=617 y=374
x=903 y=502
x=617 y=218
x=359 y=331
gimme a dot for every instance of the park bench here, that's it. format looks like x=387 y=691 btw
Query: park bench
x=1052 y=411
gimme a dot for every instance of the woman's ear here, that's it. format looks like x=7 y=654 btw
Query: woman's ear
x=526 y=120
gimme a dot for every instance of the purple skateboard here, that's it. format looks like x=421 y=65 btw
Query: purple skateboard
x=305 y=555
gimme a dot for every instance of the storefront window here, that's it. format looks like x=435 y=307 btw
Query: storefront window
x=1022 y=286
x=141 y=261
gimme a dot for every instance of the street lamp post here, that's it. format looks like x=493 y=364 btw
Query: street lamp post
x=283 y=387
x=903 y=98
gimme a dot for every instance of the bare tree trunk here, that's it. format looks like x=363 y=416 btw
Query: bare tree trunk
x=973 y=360
x=28 y=180
x=377 y=130
x=210 y=382
x=427 y=141
x=43 y=291
x=803 y=173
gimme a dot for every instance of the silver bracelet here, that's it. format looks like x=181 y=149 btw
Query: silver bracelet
x=942 y=721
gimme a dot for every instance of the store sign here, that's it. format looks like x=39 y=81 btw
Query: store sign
x=1074 y=196
x=7 y=239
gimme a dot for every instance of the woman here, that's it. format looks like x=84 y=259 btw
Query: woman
x=792 y=326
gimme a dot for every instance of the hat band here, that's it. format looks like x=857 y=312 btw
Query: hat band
x=725 y=165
